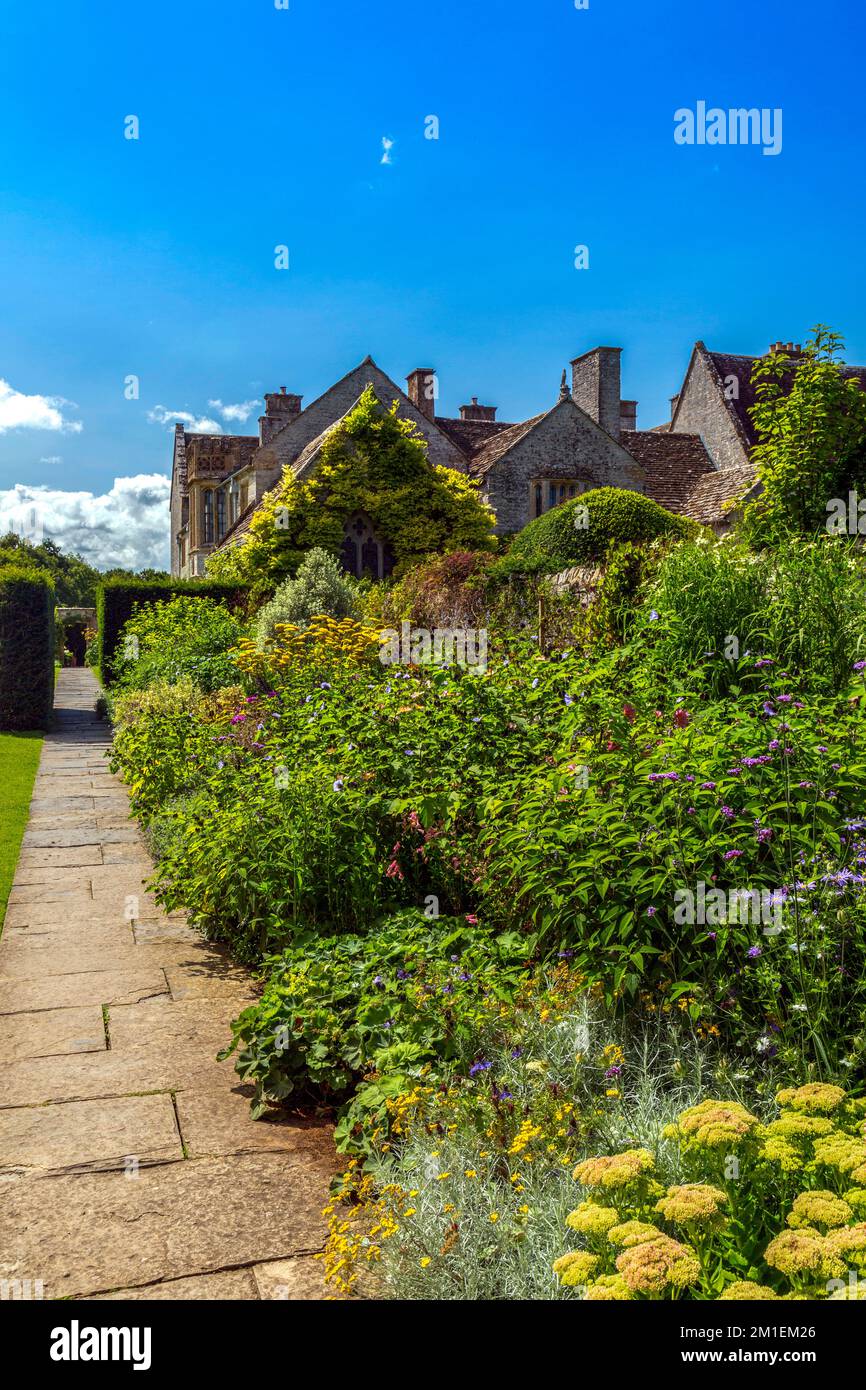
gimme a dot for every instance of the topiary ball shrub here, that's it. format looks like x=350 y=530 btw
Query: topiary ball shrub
x=321 y=587
x=582 y=531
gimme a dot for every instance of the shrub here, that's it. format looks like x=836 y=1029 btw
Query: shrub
x=320 y=589
x=159 y=746
x=584 y=530
x=117 y=598
x=181 y=638
x=26 y=649
x=410 y=994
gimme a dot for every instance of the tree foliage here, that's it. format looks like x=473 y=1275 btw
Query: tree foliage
x=811 y=422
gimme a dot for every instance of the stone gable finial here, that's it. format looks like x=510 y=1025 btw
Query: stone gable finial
x=563 y=388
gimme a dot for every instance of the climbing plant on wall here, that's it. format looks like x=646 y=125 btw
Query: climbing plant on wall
x=372 y=464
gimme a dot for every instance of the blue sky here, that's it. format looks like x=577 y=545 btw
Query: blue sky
x=261 y=127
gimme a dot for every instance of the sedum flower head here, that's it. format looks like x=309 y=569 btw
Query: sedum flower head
x=819 y=1209
x=745 y=1289
x=616 y=1170
x=592 y=1220
x=849 y=1242
x=694 y=1203
x=575 y=1267
x=856 y=1199
x=631 y=1233
x=610 y=1288
x=655 y=1265
x=797 y=1126
x=816 y=1098
x=714 y=1124
x=842 y=1152
x=804 y=1252
x=777 y=1149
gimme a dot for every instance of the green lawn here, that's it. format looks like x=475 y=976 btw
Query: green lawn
x=19 y=756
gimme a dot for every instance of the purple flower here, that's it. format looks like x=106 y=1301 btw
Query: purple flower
x=753 y=952
x=708 y=786
x=478 y=1067
x=651 y=912
x=859 y=665
x=728 y=812
x=734 y=854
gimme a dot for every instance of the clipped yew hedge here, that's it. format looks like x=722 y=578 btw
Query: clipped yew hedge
x=116 y=598
x=26 y=649
x=582 y=531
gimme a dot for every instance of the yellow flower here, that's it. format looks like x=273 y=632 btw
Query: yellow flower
x=654 y=1265
x=494 y=1216
x=816 y=1098
x=610 y=1288
x=744 y=1289
x=631 y=1233
x=714 y=1124
x=819 y=1209
x=842 y=1152
x=804 y=1252
x=592 y=1220
x=575 y=1267
x=425 y=1260
x=615 y=1170
x=696 y=1204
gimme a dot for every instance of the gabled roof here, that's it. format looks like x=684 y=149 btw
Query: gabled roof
x=384 y=387
x=673 y=463
x=711 y=496
x=497 y=447
x=471 y=436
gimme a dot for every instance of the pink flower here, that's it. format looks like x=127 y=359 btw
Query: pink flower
x=629 y=711
x=682 y=718
x=393 y=870
x=472 y=919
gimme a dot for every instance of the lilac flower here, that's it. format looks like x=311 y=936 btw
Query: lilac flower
x=708 y=786
x=728 y=812
x=753 y=952
x=338 y=784
x=651 y=911
x=653 y=617
x=859 y=665
x=734 y=854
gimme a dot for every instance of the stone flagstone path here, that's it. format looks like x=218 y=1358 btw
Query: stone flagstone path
x=129 y=1166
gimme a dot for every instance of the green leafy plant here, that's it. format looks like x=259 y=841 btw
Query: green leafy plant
x=26 y=649
x=320 y=587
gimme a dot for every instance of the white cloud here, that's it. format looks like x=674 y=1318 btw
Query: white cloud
x=242 y=411
x=199 y=424
x=21 y=412
x=126 y=527
x=387 y=146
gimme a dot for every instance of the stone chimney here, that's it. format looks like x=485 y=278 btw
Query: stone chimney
x=792 y=349
x=280 y=409
x=628 y=415
x=423 y=388
x=477 y=412
x=595 y=387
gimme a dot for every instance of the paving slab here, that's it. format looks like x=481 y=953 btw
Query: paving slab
x=175 y=1220
x=52 y=1032
x=92 y=1075
x=123 y=1133
x=291 y=1280
x=232 y=1284
x=103 y=987
x=217 y=1121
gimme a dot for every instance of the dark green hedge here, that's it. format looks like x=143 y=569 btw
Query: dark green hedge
x=26 y=649
x=116 y=598
x=556 y=540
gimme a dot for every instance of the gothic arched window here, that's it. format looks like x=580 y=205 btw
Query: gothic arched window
x=362 y=552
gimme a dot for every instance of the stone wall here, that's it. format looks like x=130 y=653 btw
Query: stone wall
x=565 y=444
x=701 y=409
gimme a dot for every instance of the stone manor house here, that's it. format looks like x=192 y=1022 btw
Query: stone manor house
x=696 y=464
